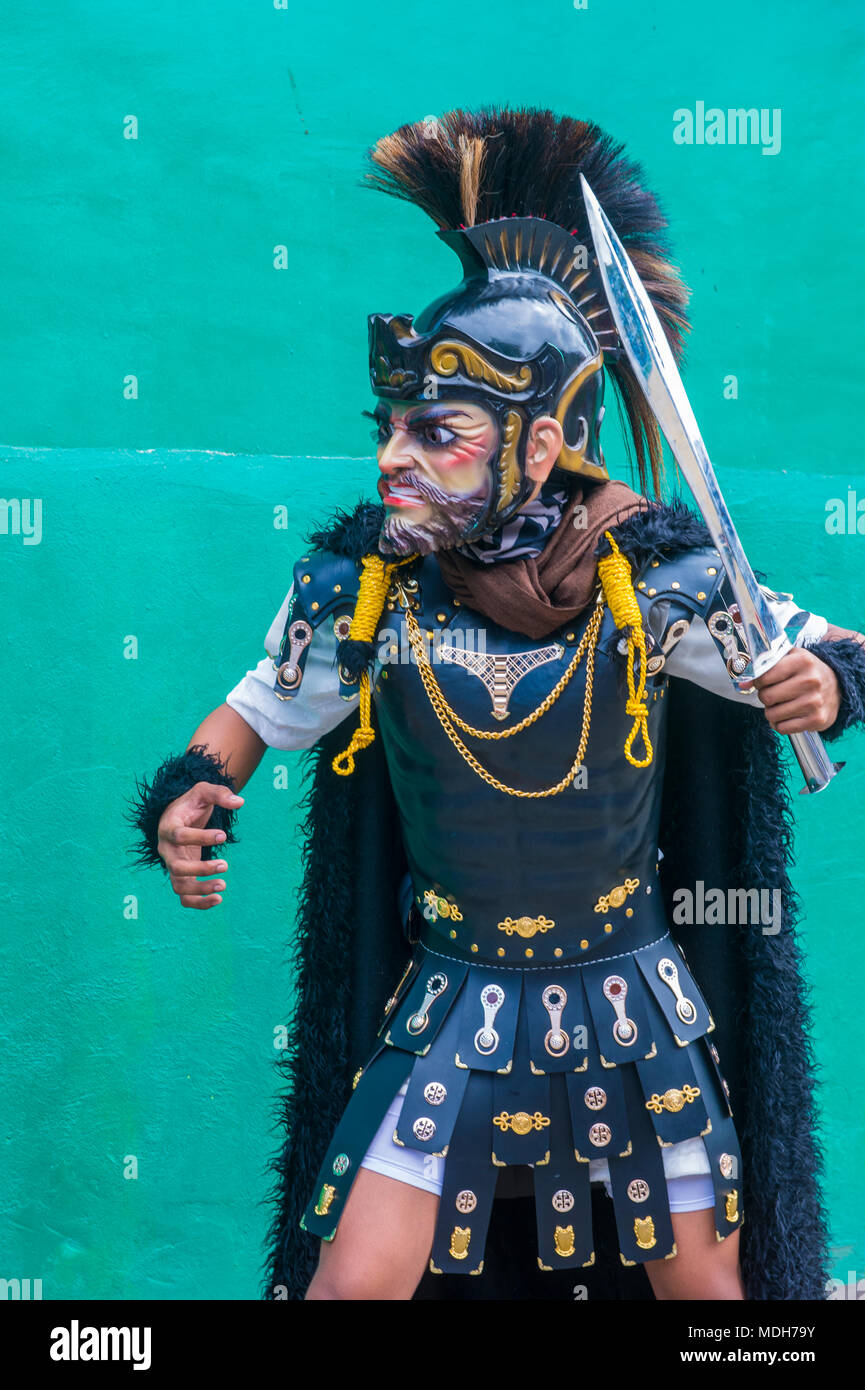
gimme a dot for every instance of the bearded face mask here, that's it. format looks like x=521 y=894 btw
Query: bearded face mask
x=435 y=472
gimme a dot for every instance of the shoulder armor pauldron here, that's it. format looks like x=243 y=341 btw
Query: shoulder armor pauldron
x=325 y=589
x=672 y=590
x=436 y=606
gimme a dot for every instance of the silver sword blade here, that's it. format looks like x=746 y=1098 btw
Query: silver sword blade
x=645 y=343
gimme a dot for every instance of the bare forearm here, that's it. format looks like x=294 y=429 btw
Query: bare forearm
x=834 y=634
x=229 y=736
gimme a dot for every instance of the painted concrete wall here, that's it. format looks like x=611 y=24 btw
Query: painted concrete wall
x=132 y=1027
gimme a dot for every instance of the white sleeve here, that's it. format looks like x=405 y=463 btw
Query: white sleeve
x=315 y=710
x=697 y=657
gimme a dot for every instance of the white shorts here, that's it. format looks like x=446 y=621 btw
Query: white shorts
x=686 y=1165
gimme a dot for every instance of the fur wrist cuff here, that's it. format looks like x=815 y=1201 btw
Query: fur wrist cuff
x=846 y=657
x=175 y=776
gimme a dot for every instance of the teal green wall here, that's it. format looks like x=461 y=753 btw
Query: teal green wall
x=152 y=1034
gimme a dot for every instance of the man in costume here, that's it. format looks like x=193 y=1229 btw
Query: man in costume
x=516 y=676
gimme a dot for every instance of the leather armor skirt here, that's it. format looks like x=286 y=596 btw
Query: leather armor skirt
x=549 y=1065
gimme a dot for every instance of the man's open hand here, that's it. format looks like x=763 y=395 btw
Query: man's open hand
x=181 y=836
x=800 y=694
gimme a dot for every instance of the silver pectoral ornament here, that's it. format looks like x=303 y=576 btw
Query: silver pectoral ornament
x=502 y=673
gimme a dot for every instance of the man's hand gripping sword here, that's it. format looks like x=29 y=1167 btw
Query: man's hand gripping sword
x=648 y=352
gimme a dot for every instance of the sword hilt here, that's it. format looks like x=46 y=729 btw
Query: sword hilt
x=818 y=769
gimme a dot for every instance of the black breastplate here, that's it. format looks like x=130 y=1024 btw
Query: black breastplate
x=506 y=878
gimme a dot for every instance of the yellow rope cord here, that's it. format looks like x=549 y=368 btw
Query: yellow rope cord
x=615 y=575
x=374 y=583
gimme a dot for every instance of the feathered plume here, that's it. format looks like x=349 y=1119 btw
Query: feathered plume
x=469 y=167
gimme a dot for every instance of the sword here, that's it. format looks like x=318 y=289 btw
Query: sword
x=649 y=354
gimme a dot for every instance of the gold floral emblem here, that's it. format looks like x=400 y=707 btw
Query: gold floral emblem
x=526 y=927
x=520 y=1123
x=440 y=907
x=673 y=1100
x=617 y=895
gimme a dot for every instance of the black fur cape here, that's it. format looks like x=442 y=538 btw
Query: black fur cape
x=727 y=820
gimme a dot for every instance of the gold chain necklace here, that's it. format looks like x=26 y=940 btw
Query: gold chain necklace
x=417 y=643
x=447 y=717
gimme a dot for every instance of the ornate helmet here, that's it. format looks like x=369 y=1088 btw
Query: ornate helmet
x=528 y=331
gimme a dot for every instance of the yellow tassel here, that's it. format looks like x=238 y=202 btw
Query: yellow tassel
x=615 y=575
x=363 y=735
x=374 y=583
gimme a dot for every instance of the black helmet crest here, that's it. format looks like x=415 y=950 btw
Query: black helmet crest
x=528 y=330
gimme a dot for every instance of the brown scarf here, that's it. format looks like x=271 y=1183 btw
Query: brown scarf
x=536 y=594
